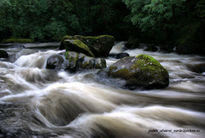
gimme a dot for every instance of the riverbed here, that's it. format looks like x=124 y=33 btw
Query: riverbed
x=37 y=102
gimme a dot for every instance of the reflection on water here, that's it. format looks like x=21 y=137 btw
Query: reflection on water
x=36 y=102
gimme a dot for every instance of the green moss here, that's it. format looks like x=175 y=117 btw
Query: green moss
x=83 y=46
x=123 y=73
x=142 y=70
x=72 y=59
x=112 y=68
x=100 y=63
x=67 y=37
x=103 y=62
x=86 y=64
x=66 y=54
x=76 y=58
x=148 y=60
x=95 y=46
x=17 y=40
x=150 y=69
x=85 y=37
x=149 y=64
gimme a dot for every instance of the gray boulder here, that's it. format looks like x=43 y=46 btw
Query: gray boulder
x=100 y=46
x=142 y=71
x=55 y=62
x=72 y=62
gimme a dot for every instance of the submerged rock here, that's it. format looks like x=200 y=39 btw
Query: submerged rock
x=54 y=62
x=3 y=54
x=198 y=68
x=119 y=56
x=100 y=46
x=142 y=71
x=72 y=61
x=151 y=47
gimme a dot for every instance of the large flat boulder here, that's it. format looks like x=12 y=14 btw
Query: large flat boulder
x=100 y=46
x=77 y=46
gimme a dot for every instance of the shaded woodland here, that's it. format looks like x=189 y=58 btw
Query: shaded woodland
x=178 y=24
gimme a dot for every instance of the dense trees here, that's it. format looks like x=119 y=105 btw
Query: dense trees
x=175 y=22
x=51 y=19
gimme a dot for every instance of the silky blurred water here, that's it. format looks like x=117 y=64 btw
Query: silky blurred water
x=36 y=102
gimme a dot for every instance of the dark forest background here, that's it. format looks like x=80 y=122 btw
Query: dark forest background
x=167 y=23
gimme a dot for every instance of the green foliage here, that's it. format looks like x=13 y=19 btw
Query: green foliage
x=174 y=22
x=201 y=9
x=45 y=20
x=154 y=15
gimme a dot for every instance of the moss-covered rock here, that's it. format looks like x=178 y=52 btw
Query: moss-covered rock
x=142 y=71
x=54 y=62
x=100 y=46
x=76 y=61
x=77 y=46
x=3 y=54
x=72 y=62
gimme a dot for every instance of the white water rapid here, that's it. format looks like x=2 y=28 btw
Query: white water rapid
x=36 y=102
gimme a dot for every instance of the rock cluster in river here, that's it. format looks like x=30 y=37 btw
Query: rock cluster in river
x=73 y=61
x=142 y=71
x=95 y=46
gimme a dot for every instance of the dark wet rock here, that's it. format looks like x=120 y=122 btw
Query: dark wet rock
x=151 y=47
x=77 y=46
x=54 y=62
x=15 y=120
x=198 y=68
x=77 y=61
x=142 y=71
x=41 y=45
x=100 y=46
x=72 y=61
x=122 y=55
x=3 y=54
x=119 y=56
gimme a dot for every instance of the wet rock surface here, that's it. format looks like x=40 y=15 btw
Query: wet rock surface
x=72 y=61
x=141 y=71
x=98 y=46
x=3 y=54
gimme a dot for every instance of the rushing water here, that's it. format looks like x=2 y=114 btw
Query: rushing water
x=36 y=102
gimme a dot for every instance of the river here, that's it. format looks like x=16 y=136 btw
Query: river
x=36 y=102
